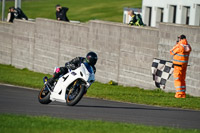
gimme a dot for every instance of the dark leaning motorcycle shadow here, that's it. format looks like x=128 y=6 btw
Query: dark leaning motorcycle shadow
x=134 y=108
x=82 y=104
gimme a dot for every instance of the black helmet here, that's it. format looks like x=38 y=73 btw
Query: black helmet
x=91 y=58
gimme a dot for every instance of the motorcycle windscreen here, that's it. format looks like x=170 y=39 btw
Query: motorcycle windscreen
x=89 y=68
x=91 y=71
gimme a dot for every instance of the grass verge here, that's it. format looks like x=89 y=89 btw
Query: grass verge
x=43 y=124
x=24 y=77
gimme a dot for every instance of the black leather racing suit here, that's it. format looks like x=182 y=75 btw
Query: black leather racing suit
x=73 y=64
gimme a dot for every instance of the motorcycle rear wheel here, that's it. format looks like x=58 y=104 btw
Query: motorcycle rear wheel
x=78 y=91
x=44 y=97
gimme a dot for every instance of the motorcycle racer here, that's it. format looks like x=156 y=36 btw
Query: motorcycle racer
x=91 y=58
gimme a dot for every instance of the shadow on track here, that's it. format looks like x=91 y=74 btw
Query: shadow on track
x=136 y=108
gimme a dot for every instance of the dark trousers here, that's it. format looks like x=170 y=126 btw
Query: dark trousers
x=56 y=75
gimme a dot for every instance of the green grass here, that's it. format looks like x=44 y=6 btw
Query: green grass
x=21 y=77
x=24 y=77
x=138 y=95
x=43 y=124
x=79 y=10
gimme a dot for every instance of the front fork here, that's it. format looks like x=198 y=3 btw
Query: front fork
x=72 y=88
x=67 y=97
x=47 y=88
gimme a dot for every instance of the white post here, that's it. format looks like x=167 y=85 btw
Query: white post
x=17 y=3
x=153 y=16
x=179 y=14
x=3 y=10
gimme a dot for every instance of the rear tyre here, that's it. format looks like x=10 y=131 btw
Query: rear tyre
x=75 y=94
x=44 y=96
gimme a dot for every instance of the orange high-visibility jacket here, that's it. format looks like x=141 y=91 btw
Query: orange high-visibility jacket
x=181 y=52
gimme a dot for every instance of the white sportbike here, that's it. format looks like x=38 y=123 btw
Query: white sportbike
x=70 y=87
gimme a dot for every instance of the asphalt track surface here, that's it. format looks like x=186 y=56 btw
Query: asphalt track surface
x=18 y=100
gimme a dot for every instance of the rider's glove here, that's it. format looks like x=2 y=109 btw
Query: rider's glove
x=70 y=66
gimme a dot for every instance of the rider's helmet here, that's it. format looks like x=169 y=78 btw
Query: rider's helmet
x=91 y=58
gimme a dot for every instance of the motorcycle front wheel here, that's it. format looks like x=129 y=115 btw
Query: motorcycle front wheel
x=76 y=93
x=44 y=96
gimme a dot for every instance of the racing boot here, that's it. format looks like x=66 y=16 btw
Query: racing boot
x=45 y=79
x=50 y=83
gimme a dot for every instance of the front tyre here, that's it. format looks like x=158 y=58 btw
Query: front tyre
x=44 y=96
x=75 y=94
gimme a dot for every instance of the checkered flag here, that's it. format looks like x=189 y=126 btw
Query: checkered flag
x=161 y=71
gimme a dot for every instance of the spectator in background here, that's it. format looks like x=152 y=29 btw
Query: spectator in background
x=61 y=13
x=136 y=19
x=19 y=14
x=15 y=13
x=133 y=17
x=11 y=15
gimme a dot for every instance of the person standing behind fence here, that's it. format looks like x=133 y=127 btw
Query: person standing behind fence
x=136 y=19
x=180 y=52
x=61 y=13
x=19 y=14
x=11 y=15
x=133 y=17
